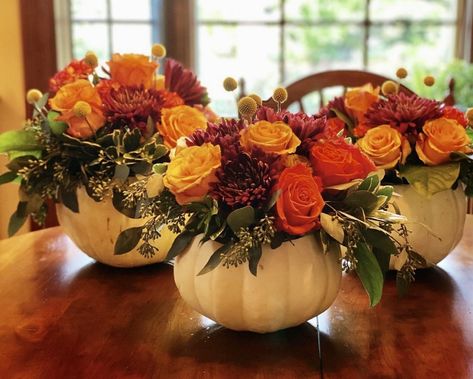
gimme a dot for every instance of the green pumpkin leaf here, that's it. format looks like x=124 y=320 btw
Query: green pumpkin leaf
x=215 y=259
x=241 y=218
x=15 y=223
x=69 y=199
x=254 y=257
x=18 y=140
x=371 y=184
x=127 y=240
x=362 y=199
x=8 y=177
x=369 y=272
x=429 y=180
x=57 y=127
x=181 y=242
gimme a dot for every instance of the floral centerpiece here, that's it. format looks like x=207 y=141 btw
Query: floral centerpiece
x=263 y=206
x=96 y=132
x=421 y=143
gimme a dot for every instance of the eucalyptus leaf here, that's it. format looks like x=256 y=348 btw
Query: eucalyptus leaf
x=15 y=223
x=274 y=198
x=386 y=191
x=127 y=240
x=429 y=180
x=332 y=227
x=57 y=127
x=142 y=168
x=371 y=184
x=389 y=216
x=8 y=177
x=362 y=199
x=369 y=272
x=181 y=242
x=69 y=199
x=160 y=168
x=121 y=172
x=383 y=259
x=118 y=203
x=254 y=257
x=402 y=285
x=215 y=259
x=241 y=218
x=18 y=140
x=380 y=240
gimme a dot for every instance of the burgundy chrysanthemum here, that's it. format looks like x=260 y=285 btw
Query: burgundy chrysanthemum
x=243 y=181
x=226 y=134
x=306 y=128
x=338 y=104
x=407 y=113
x=131 y=106
x=185 y=83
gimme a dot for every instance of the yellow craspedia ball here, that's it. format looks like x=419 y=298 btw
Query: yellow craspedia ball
x=469 y=115
x=158 y=50
x=401 y=73
x=230 y=84
x=33 y=95
x=247 y=106
x=389 y=88
x=280 y=95
x=91 y=59
x=429 y=80
x=82 y=109
x=256 y=98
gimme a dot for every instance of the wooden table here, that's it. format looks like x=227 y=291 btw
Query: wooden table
x=64 y=316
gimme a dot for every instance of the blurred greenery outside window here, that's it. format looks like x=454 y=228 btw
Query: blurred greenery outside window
x=272 y=42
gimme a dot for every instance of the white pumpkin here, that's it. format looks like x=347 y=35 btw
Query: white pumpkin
x=294 y=283
x=96 y=227
x=444 y=215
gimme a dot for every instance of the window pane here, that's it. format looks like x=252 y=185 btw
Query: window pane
x=312 y=10
x=131 y=38
x=413 y=10
x=395 y=46
x=88 y=9
x=131 y=10
x=240 y=10
x=314 y=49
x=90 y=37
x=249 y=52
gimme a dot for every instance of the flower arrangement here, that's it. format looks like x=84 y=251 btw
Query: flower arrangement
x=267 y=179
x=101 y=130
x=419 y=141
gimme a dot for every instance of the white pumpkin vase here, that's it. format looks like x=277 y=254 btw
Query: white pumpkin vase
x=444 y=215
x=96 y=227
x=294 y=283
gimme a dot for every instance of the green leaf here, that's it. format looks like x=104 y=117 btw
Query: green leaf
x=118 y=203
x=57 y=127
x=18 y=140
x=255 y=253
x=389 y=217
x=429 y=180
x=332 y=227
x=131 y=140
x=383 y=259
x=8 y=177
x=160 y=168
x=386 y=191
x=342 y=116
x=274 y=198
x=241 y=218
x=15 y=223
x=369 y=272
x=402 y=285
x=121 y=172
x=215 y=259
x=380 y=240
x=127 y=240
x=181 y=242
x=69 y=199
x=371 y=184
x=469 y=133
x=362 y=199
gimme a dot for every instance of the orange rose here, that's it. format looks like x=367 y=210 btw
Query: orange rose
x=359 y=99
x=300 y=202
x=191 y=172
x=180 y=121
x=385 y=146
x=441 y=137
x=67 y=97
x=277 y=137
x=337 y=162
x=132 y=70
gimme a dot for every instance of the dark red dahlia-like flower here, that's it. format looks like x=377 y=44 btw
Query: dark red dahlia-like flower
x=131 y=106
x=75 y=70
x=337 y=104
x=407 y=113
x=243 y=181
x=185 y=83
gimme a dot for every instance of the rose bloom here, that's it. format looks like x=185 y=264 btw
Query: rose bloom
x=191 y=172
x=359 y=99
x=180 y=121
x=439 y=139
x=277 y=137
x=337 y=162
x=67 y=97
x=300 y=203
x=132 y=70
x=385 y=146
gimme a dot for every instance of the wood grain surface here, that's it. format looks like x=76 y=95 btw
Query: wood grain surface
x=64 y=316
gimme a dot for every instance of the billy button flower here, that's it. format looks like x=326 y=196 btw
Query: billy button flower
x=33 y=95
